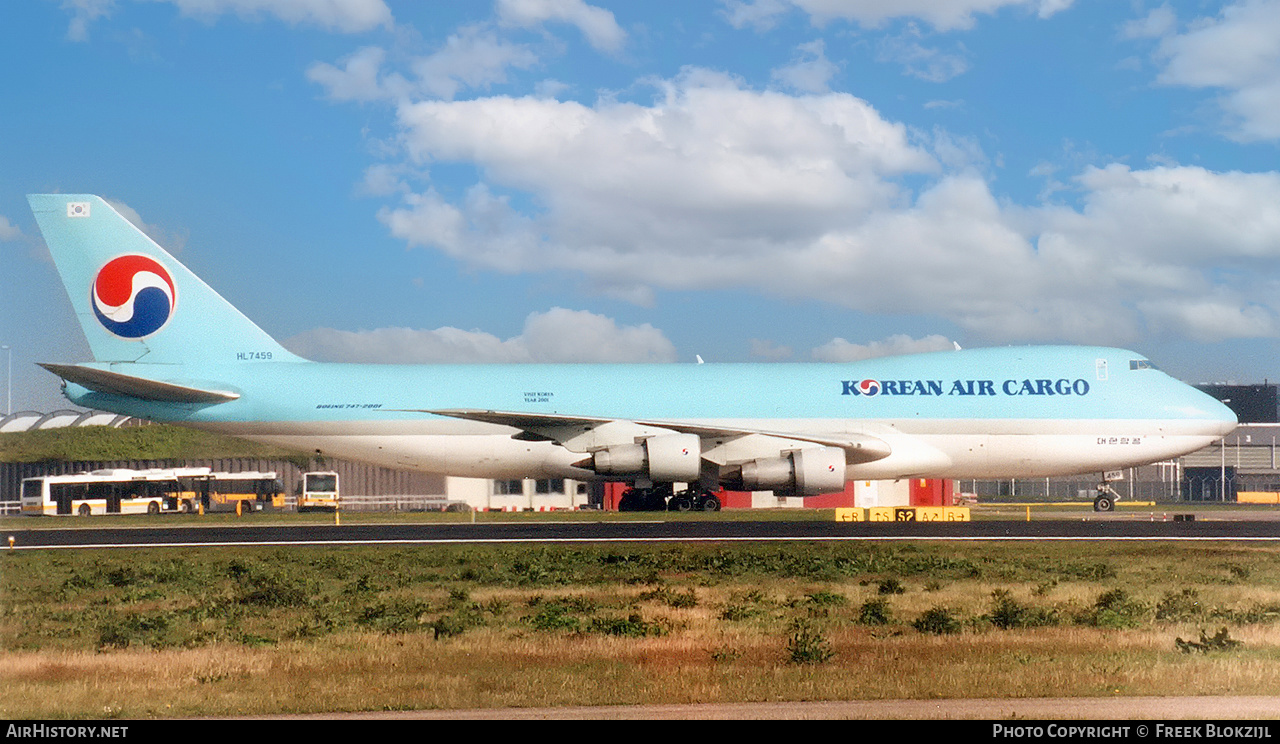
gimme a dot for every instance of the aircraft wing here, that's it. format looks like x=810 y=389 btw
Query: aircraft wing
x=589 y=433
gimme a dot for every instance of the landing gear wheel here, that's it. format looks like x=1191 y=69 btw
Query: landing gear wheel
x=646 y=499
x=680 y=502
x=1106 y=499
x=710 y=503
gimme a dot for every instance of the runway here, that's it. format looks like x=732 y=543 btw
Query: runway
x=655 y=531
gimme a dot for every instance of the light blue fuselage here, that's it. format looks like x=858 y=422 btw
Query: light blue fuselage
x=1001 y=412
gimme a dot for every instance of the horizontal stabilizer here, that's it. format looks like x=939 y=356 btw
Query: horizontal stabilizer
x=114 y=383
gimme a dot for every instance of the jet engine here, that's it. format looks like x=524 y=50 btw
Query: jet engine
x=805 y=472
x=666 y=458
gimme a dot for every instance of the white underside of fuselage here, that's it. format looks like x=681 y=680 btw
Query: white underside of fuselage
x=920 y=449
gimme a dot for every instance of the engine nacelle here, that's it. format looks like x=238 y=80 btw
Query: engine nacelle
x=666 y=458
x=806 y=472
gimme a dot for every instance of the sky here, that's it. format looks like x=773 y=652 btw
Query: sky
x=736 y=180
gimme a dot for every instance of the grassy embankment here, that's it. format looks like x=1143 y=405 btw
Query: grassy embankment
x=156 y=442
x=166 y=632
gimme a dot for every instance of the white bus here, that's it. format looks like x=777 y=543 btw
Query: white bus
x=119 y=491
x=124 y=491
x=319 y=490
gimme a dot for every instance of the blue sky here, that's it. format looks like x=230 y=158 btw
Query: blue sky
x=561 y=180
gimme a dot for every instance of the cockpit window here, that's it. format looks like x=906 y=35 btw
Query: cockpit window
x=1140 y=364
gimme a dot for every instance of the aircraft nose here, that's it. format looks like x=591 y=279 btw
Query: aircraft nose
x=1227 y=421
x=1211 y=416
x=1223 y=418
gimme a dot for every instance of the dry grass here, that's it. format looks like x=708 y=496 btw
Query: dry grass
x=258 y=632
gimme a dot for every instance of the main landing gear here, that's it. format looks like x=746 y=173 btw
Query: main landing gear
x=662 y=497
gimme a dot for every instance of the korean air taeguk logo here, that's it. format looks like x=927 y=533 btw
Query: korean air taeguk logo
x=868 y=387
x=133 y=296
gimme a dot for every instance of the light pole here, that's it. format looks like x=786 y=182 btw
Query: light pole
x=8 y=406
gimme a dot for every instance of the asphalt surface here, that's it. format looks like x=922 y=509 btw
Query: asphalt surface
x=654 y=531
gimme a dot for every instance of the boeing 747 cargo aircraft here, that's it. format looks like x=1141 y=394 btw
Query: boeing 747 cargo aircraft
x=167 y=347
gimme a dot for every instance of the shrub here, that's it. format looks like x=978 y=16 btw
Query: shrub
x=554 y=617
x=937 y=620
x=447 y=627
x=874 y=612
x=632 y=627
x=737 y=611
x=1115 y=609
x=890 y=586
x=1007 y=613
x=807 y=644
x=827 y=599
x=1179 y=605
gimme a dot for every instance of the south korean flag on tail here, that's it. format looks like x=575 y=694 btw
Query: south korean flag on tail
x=77 y=209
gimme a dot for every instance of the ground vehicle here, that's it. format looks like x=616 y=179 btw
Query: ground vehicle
x=319 y=491
x=119 y=491
x=240 y=492
x=124 y=491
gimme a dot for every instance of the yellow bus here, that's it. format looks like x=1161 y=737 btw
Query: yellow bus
x=241 y=493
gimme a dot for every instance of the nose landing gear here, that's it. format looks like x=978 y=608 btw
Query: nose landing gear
x=1106 y=499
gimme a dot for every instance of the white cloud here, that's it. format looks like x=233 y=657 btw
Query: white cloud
x=717 y=186
x=810 y=71
x=760 y=14
x=626 y=185
x=358 y=79
x=932 y=65
x=8 y=231
x=598 y=25
x=347 y=16
x=171 y=240
x=1211 y=320
x=769 y=351
x=943 y=15
x=556 y=336
x=382 y=179
x=83 y=13
x=474 y=57
x=561 y=335
x=840 y=350
x=1238 y=52
x=1161 y=21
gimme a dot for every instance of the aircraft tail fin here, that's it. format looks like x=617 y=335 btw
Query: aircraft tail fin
x=134 y=301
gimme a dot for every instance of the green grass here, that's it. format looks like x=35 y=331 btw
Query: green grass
x=154 y=442
x=219 y=631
